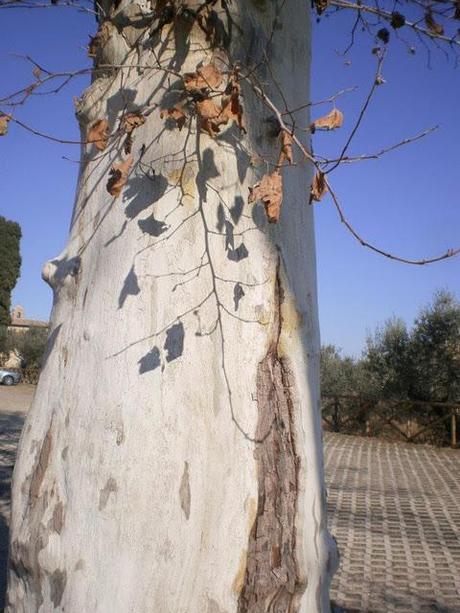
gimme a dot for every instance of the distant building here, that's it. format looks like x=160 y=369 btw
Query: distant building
x=19 y=323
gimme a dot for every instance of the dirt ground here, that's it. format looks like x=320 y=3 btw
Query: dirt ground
x=17 y=398
x=14 y=403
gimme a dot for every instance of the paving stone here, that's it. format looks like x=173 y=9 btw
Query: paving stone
x=395 y=512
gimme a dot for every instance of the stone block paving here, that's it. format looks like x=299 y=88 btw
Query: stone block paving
x=394 y=509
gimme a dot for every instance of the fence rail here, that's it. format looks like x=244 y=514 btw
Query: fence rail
x=408 y=420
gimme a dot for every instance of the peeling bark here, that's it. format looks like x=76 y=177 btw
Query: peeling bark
x=272 y=583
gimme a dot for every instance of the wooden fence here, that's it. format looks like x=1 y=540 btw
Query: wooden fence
x=407 y=420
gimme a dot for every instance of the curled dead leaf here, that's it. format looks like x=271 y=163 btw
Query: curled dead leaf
x=176 y=114
x=331 y=121
x=318 y=187
x=37 y=73
x=131 y=121
x=4 y=119
x=207 y=109
x=270 y=191
x=232 y=109
x=209 y=114
x=206 y=77
x=431 y=24
x=212 y=116
x=98 y=133
x=286 y=148
x=119 y=176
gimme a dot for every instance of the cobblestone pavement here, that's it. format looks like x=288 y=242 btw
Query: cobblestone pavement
x=394 y=509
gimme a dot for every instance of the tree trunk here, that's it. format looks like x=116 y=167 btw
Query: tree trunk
x=172 y=459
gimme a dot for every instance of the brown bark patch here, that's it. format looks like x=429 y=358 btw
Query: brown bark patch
x=109 y=487
x=272 y=582
x=184 y=491
x=57 y=582
x=40 y=468
x=56 y=522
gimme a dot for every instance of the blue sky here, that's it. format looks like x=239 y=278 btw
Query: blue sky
x=406 y=202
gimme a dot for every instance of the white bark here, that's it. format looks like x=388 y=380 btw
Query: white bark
x=143 y=465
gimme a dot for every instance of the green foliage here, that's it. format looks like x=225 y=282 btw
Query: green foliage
x=10 y=265
x=387 y=360
x=418 y=364
x=30 y=344
x=435 y=350
x=342 y=375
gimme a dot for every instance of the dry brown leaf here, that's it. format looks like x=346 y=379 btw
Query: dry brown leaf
x=98 y=133
x=4 y=119
x=318 y=187
x=331 y=121
x=175 y=113
x=119 y=176
x=431 y=24
x=131 y=121
x=270 y=191
x=37 y=73
x=286 y=148
x=206 y=77
x=209 y=113
x=207 y=109
x=232 y=109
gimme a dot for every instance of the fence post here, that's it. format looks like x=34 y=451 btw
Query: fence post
x=453 y=429
x=336 y=415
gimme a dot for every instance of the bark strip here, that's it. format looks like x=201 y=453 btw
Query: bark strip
x=272 y=583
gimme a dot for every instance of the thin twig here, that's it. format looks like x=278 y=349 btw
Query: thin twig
x=450 y=253
x=362 y=112
x=378 y=154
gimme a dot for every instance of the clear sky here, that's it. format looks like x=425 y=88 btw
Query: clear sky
x=406 y=202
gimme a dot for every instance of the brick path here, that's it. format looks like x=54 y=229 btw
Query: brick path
x=395 y=512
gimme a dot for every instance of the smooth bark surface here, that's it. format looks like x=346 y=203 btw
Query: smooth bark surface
x=172 y=459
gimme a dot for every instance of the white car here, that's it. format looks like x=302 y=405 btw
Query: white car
x=9 y=377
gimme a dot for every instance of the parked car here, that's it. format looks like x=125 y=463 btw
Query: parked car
x=9 y=377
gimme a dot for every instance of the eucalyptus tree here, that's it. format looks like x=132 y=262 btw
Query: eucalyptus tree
x=172 y=458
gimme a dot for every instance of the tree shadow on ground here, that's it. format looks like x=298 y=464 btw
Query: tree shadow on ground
x=10 y=431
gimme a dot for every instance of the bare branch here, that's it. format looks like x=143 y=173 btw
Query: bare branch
x=450 y=253
x=378 y=154
x=344 y=4
x=375 y=84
